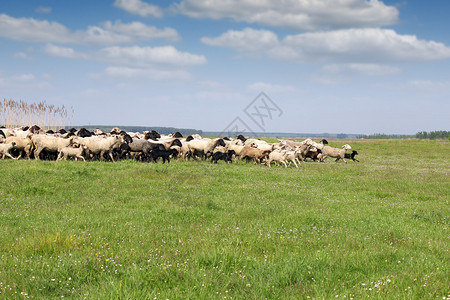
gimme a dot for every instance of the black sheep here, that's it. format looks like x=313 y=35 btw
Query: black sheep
x=155 y=154
x=352 y=155
x=227 y=157
x=313 y=154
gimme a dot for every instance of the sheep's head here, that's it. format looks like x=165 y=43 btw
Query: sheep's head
x=155 y=134
x=174 y=152
x=189 y=138
x=220 y=142
x=347 y=147
x=115 y=130
x=127 y=138
x=35 y=129
x=83 y=132
x=241 y=137
x=152 y=135
x=97 y=131
x=308 y=142
x=177 y=135
x=324 y=141
x=176 y=142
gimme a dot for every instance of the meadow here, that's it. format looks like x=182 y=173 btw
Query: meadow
x=194 y=230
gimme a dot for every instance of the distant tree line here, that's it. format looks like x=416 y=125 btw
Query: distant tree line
x=432 y=135
x=385 y=136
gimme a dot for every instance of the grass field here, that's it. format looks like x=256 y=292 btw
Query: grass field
x=192 y=230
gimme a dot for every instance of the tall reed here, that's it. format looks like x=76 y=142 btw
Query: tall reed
x=47 y=116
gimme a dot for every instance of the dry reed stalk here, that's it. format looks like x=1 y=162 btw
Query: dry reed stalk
x=19 y=113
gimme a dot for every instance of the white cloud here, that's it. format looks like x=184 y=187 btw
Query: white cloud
x=368 y=45
x=270 y=88
x=246 y=41
x=429 y=84
x=23 y=81
x=32 y=30
x=141 y=31
x=133 y=59
x=23 y=77
x=364 y=69
x=294 y=14
x=22 y=55
x=338 y=74
x=138 y=7
x=43 y=10
x=166 y=55
x=63 y=52
x=152 y=74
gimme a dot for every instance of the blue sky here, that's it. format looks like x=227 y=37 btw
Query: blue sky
x=351 y=66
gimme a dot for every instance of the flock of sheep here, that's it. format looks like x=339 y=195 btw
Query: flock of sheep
x=33 y=142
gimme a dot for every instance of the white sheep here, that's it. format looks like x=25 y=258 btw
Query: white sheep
x=50 y=143
x=334 y=152
x=204 y=147
x=292 y=156
x=6 y=148
x=277 y=156
x=22 y=145
x=76 y=153
x=101 y=146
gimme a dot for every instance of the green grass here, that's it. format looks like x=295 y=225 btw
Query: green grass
x=193 y=230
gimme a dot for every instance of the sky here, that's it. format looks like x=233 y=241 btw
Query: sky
x=300 y=66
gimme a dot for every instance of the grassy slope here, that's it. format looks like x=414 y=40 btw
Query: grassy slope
x=196 y=230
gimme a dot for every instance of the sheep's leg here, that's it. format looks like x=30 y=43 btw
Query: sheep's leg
x=10 y=156
x=59 y=156
x=111 y=155
x=285 y=165
x=295 y=164
x=37 y=152
x=27 y=151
